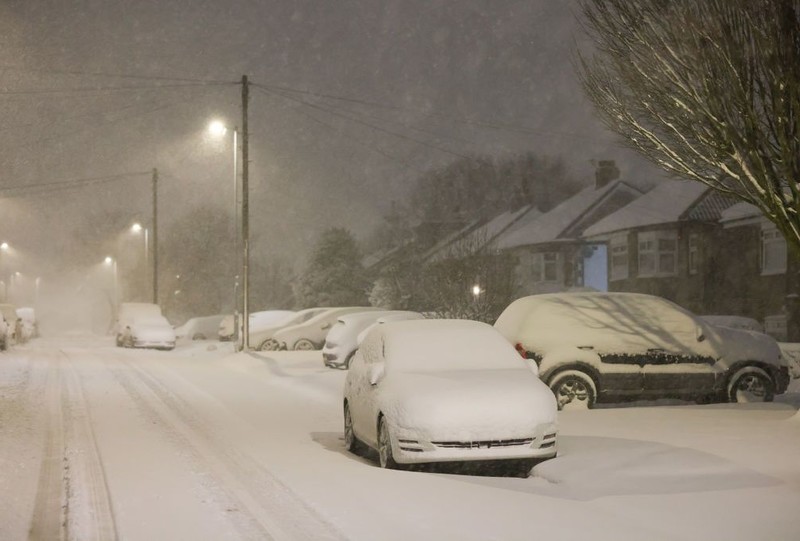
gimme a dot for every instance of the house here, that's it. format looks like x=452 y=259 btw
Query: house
x=550 y=251
x=665 y=243
x=757 y=275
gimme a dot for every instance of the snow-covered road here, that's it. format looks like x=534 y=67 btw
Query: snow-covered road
x=199 y=443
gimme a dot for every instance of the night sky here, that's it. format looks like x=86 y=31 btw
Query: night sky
x=425 y=82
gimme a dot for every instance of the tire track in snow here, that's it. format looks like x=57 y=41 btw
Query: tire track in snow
x=72 y=498
x=275 y=505
x=247 y=523
x=91 y=515
x=49 y=509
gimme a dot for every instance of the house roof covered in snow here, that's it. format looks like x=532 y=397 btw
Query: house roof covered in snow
x=669 y=202
x=567 y=219
x=481 y=236
x=740 y=211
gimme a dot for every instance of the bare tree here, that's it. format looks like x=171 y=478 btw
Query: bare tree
x=706 y=89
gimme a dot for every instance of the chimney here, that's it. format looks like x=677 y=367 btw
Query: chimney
x=606 y=172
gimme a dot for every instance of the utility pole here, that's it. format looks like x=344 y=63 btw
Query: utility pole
x=245 y=220
x=155 y=236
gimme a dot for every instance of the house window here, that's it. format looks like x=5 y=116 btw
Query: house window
x=694 y=253
x=658 y=253
x=545 y=267
x=619 y=257
x=773 y=251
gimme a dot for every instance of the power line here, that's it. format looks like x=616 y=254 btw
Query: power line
x=113 y=88
x=44 y=187
x=117 y=75
x=367 y=124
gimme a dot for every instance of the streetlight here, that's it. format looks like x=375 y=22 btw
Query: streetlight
x=218 y=129
x=476 y=291
x=111 y=262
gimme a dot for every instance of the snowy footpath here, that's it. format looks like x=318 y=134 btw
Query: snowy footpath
x=100 y=443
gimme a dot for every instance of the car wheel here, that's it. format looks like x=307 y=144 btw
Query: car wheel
x=346 y=365
x=268 y=345
x=751 y=384
x=385 y=457
x=119 y=341
x=574 y=390
x=351 y=443
x=304 y=344
x=198 y=336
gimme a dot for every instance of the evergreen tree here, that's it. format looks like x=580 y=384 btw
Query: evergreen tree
x=335 y=275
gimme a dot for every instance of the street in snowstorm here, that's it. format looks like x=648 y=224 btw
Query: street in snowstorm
x=201 y=443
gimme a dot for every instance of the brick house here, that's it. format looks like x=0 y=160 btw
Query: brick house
x=551 y=255
x=663 y=244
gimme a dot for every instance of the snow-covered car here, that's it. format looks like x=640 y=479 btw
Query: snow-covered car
x=342 y=340
x=13 y=327
x=311 y=334
x=29 y=327
x=262 y=339
x=141 y=325
x=258 y=320
x=610 y=347
x=734 y=322
x=199 y=328
x=425 y=391
x=3 y=334
x=395 y=316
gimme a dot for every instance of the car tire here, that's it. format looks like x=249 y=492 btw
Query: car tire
x=119 y=341
x=268 y=345
x=304 y=344
x=385 y=457
x=198 y=336
x=574 y=389
x=751 y=384
x=351 y=442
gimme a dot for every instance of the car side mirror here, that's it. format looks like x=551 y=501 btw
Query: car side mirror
x=701 y=335
x=376 y=373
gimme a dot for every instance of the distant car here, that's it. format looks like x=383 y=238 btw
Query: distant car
x=343 y=338
x=200 y=328
x=258 y=320
x=734 y=322
x=30 y=328
x=13 y=327
x=446 y=390
x=609 y=347
x=311 y=334
x=262 y=338
x=3 y=334
x=141 y=325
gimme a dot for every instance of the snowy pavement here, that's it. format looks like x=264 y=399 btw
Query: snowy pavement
x=199 y=443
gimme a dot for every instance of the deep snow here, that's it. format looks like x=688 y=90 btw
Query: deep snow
x=200 y=443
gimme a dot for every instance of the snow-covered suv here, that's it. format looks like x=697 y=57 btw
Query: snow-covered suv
x=625 y=346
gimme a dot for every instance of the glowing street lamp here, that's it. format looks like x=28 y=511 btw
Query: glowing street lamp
x=218 y=129
x=476 y=291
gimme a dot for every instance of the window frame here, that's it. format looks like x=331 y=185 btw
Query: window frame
x=539 y=264
x=656 y=252
x=770 y=236
x=618 y=272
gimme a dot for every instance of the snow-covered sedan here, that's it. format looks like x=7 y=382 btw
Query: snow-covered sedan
x=200 y=328
x=610 y=347
x=311 y=334
x=342 y=340
x=262 y=337
x=258 y=320
x=426 y=391
x=141 y=325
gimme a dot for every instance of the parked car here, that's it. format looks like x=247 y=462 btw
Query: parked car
x=734 y=322
x=262 y=339
x=342 y=340
x=3 y=334
x=311 y=334
x=607 y=347
x=29 y=327
x=200 y=328
x=258 y=320
x=13 y=327
x=394 y=316
x=446 y=390
x=141 y=325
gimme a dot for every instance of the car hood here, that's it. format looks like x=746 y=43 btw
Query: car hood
x=469 y=405
x=742 y=345
x=153 y=332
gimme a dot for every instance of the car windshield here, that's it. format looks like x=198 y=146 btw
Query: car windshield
x=420 y=349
